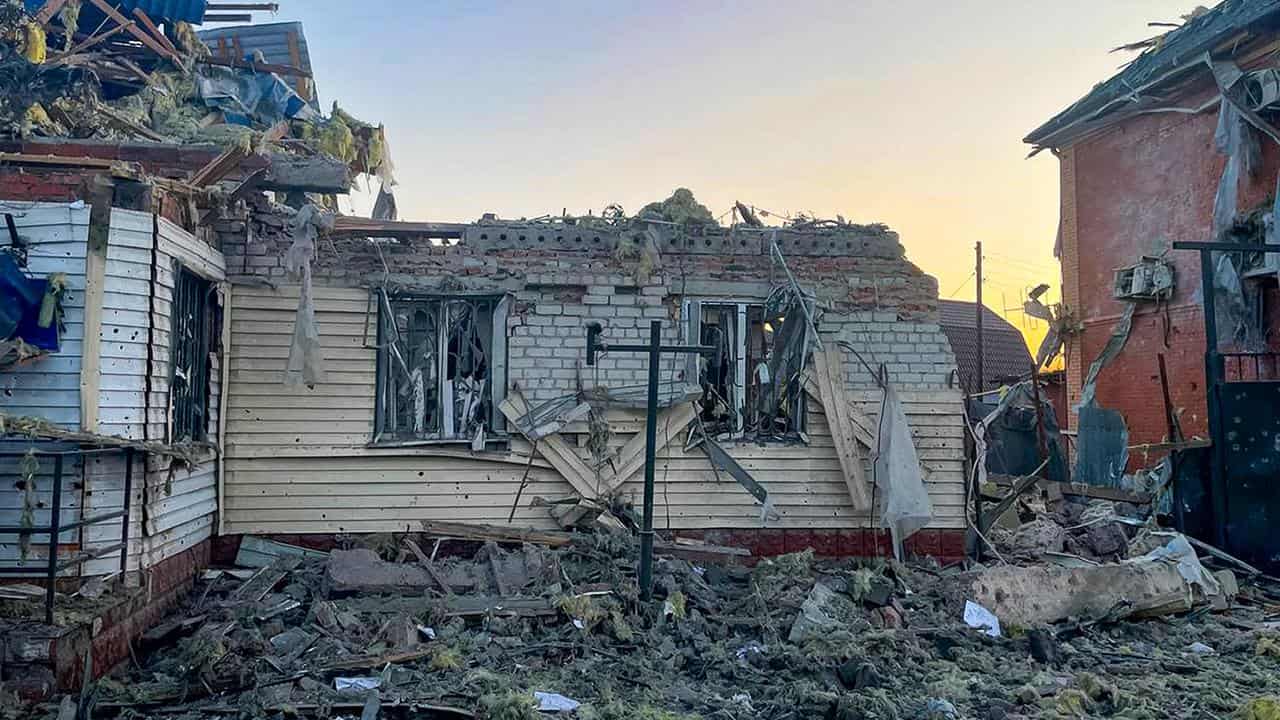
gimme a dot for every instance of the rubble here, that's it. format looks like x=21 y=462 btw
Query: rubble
x=524 y=626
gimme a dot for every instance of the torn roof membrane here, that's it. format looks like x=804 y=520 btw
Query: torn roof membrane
x=1178 y=50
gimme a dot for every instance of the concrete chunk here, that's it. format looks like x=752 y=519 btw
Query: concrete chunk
x=361 y=570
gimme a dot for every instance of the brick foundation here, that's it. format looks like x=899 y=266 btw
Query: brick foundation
x=947 y=546
x=39 y=660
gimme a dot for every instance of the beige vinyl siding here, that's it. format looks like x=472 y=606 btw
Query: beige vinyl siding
x=180 y=503
x=298 y=462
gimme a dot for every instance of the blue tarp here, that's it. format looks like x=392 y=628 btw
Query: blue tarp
x=191 y=11
x=20 y=299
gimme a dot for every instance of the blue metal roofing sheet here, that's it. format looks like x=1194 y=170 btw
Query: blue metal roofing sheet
x=191 y=11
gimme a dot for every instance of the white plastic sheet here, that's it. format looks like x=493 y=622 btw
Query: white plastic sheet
x=980 y=618
x=342 y=684
x=906 y=501
x=555 y=702
x=305 y=361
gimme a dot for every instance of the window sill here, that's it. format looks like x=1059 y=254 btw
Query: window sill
x=451 y=443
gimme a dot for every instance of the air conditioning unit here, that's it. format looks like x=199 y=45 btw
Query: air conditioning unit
x=1151 y=279
x=1261 y=265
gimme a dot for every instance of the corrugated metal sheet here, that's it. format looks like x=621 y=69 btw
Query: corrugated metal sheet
x=191 y=11
x=297 y=460
x=282 y=43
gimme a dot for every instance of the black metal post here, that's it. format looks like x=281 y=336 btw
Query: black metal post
x=124 y=519
x=977 y=272
x=655 y=348
x=1213 y=378
x=55 y=529
x=650 y=459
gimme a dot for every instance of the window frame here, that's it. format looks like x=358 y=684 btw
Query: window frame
x=381 y=306
x=196 y=404
x=693 y=313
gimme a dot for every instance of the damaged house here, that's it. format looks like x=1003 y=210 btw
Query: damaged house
x=1180 y=146
x=451 y=383
x=201 y=350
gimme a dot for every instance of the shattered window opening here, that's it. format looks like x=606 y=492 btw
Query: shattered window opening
x=739 y=397
x=437 y=371
x=193 y=324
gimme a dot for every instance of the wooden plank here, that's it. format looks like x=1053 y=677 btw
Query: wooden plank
x=863 y=427
x=429 y=566
x=50 y=8
x=827 y=365
x=555 y=449
x=142 y=36
x=94 y=291
x=155 y=31
x=468 y=531
x=224 y=394
x=670 y=423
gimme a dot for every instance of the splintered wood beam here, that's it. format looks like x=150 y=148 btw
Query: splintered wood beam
x=46 y=13
x=671 y=422
x=555 y=449
x=228 y=160
x=228 y=17
x=862 y=425
x=90 y=42
x=159 y=36
x=142 y=36
x=828 y=366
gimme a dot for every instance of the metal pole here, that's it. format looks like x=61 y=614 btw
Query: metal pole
x=650 y=454
x=124 y=520
x=977 y=271
x=1040 y=432
x=1213 y=379
x=55 y=529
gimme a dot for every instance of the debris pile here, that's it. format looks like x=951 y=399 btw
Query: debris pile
x=398 y=627
x=88 y=71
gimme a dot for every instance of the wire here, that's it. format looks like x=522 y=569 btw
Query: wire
x=962 y=285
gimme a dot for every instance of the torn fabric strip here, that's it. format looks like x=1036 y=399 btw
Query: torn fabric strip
x=305 y=360
x=1115 y=343
x=907 y=507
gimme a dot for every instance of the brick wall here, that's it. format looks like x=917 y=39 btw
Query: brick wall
x=1128 y=192
x=563 y=276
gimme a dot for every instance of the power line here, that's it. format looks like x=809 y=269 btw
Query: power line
x=962 y=285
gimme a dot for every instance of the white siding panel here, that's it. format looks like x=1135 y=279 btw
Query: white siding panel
x=50 y=386
x=57 y=235
x=178 y=511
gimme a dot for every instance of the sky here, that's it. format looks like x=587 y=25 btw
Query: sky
x=905 y=112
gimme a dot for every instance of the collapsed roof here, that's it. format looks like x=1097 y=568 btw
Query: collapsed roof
x=143 y=78
x=1175 y=55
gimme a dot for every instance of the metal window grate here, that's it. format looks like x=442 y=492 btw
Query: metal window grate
x=436 y=368
x=189 y=360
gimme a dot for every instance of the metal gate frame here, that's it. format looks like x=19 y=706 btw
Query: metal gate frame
x=1215 y=374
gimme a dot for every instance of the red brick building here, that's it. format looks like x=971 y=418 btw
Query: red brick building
x=1139 y=171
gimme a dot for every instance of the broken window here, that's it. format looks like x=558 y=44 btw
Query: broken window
x=193 y=330
x=441 y=368
x=740 y=397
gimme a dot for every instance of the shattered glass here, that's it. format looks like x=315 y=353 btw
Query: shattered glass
x=437 y=378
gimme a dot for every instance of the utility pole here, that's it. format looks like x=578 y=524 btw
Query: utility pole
x=978 y=275
x=654 y=349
